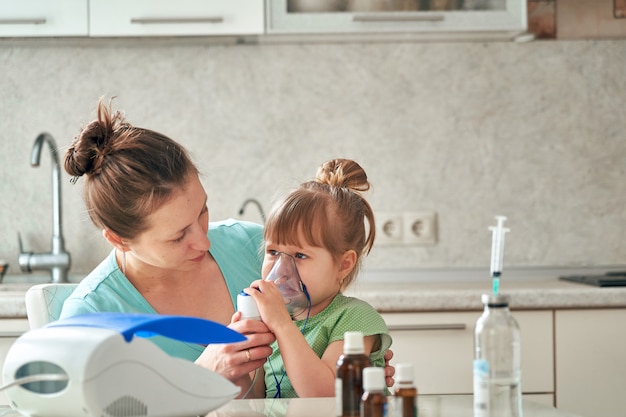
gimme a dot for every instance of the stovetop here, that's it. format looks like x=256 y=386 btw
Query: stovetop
x=610 y=279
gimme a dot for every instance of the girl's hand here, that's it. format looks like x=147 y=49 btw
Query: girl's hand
x=270 y=302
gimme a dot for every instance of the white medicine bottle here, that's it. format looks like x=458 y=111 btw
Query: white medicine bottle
x=497 y=373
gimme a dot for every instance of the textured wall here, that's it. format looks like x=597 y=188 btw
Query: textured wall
x=533 y=131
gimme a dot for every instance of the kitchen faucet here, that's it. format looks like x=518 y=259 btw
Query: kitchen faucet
x=58 y=260
x=256 y=203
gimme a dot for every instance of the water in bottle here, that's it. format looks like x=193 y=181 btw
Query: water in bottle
x=497 y=374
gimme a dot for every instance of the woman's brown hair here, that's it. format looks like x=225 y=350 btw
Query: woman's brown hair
x=329 y=211
x=130 y=171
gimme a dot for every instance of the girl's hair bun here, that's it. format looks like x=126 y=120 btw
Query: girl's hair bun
x=343 y=173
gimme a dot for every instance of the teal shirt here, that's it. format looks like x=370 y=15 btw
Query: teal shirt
x=343 y=314
x=236 y=247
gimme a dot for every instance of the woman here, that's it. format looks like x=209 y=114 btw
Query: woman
x=143 y=191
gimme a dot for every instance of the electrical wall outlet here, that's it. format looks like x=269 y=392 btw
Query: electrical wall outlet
x=419 y=228
x=389 y=229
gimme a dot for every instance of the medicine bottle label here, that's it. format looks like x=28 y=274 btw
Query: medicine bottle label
x=405 y=406
x=338 y=397
x=481 y=388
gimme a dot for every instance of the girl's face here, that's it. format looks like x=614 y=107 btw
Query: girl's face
x=177 y=236
x=318 y=271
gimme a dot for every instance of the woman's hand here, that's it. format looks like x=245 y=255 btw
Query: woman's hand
x=390 y=371
x=235 y=361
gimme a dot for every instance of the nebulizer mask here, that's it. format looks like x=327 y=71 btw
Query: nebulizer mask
x=285 y=275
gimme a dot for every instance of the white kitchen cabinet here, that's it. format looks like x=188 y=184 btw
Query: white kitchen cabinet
x=441 y=348
x=10 y=330
x=591 y=361
x=117 y=18
x=396 y=16
x=175 y=18
x=32 y=18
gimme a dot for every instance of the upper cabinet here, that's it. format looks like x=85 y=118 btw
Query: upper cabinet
x=118 y=18
x=175 y=18
x=125 y=18
x=455 y=17
x=33 y=18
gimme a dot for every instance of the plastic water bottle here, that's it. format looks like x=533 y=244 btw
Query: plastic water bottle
x=349 y=376
x=497 y=374
x=374 y=400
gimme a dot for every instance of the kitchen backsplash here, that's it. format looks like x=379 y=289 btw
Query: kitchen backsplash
x=533 y=131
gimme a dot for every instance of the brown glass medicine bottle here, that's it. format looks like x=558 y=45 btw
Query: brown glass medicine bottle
x=374 y=400
x=349 y=375
x=405 y=395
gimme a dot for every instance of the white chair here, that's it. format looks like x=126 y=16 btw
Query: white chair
x=45 y=301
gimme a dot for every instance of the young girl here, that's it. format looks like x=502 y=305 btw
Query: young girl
x=322 y=225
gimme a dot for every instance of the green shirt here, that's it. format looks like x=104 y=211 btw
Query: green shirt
x=343 y=314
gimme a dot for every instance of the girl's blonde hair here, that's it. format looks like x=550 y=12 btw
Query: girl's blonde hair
x=327 y=212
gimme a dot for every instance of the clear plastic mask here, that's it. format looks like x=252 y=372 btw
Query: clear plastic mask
x=285 y=275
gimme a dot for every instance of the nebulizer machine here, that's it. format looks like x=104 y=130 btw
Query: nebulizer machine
x=104 y=365
x=285 y=275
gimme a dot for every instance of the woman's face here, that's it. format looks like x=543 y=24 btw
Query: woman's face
x=177 y=235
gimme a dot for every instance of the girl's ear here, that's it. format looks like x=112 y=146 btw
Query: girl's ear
x=346 y=264
x=115 y=240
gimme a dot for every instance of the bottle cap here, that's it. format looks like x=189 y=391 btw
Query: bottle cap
x=404 y=372
x=492 y=300
x=373 y=379
x=353 y=343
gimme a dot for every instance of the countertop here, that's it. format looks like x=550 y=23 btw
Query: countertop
x=428 y=405
x=430 y=296
x=465 y=296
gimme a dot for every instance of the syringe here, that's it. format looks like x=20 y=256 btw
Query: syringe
x=497 y=251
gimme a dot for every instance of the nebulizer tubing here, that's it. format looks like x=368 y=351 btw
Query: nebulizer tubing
x=252 y=384
x=497 y=252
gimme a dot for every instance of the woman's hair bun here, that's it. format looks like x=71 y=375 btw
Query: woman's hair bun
x=343 y=173
x=94 y=142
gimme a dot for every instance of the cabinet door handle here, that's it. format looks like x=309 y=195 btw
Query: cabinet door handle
x=384 y=17
x=11 y=334
x=419 y=327
x=28 y=21
x=176 y=20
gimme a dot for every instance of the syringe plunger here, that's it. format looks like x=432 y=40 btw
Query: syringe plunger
x=497 y=250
